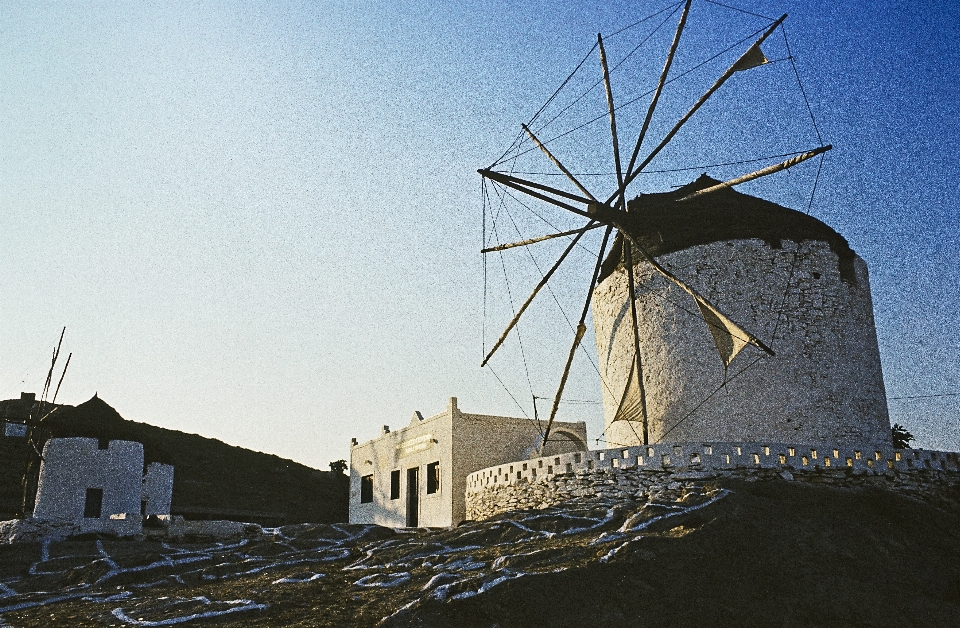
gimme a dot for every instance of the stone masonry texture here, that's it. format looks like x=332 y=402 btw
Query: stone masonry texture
x=812 y=307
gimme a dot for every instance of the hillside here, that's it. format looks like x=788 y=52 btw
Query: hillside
x=728 y=553
x=212 y=480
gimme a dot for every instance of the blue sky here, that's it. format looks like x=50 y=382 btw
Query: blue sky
x=260 y=222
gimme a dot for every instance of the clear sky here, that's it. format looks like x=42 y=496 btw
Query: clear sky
x=261 y=222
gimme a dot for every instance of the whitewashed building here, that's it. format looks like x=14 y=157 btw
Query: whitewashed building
x=416 y=476
x=101 y=485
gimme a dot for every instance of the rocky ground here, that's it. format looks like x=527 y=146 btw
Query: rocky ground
x=730 y=553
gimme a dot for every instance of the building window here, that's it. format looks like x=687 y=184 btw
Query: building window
x=395 y=484
x=366 y=489
x=433 y=477
x=93 y=504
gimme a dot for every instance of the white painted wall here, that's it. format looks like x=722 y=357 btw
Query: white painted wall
x=824 y=385
x=158 y=489
x=72 y=465
x=414 y=446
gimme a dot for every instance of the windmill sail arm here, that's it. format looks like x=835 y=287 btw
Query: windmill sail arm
x=660 y=84
x=789 y=163
x=525 y=186
x=638 y=363
x=543 y=282
x=557 y=163
x=508 y=179
x=613 y=118
x=581 y=329
x=549 y=236
x=702 y=301
x=737 y=66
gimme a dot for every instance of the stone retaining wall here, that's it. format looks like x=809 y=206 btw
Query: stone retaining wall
x=637 y=472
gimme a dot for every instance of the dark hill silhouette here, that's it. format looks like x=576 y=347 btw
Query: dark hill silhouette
x=213 y=480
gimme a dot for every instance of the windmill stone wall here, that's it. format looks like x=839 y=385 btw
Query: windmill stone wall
x=798 y=287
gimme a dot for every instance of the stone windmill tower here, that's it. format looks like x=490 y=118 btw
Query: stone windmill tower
x=784 y=275
x=702 y=267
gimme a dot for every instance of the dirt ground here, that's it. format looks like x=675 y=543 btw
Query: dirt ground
x=730 y=554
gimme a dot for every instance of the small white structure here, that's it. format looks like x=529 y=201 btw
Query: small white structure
x=101 y=485
x=416 y=476
x=157 y=489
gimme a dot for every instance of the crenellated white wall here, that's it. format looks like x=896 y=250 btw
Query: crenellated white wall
x=625 y=472
x=716 y=456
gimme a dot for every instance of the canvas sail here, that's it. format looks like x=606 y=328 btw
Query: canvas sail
x=752 y=58
x=729 y=338
x=631 y=401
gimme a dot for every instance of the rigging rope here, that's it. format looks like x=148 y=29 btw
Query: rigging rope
x=786 y=291
x=800 y=83
x=710 y=396
x=610 y=442
x=539 y=270
x=519 y=139
x=506 y=280
x=649 y=17
x=524 y=412
x=956 y=394
x=600 y=81
x=552 y=293
x=816 y=181
x=550 y=290
x=643 y=95
x=727 y=6
x=507 y=192
x=484 y=195
x=701 y=167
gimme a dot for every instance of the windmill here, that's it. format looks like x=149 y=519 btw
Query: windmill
x=610 y=213
x=38 y=432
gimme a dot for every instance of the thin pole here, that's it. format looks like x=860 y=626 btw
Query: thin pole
x=613 y=117
x=627 y=249
x=663 y=81
x=556 y=162
x=60 y=383
x=581 y=329
x=626 y=245
x=511 y=245
x=500 y=177
x=793 y=161
x=521 y=185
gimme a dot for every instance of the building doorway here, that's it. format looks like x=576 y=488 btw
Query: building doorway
x=413 y=497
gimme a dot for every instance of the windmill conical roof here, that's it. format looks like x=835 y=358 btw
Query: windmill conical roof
x=662 y=225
